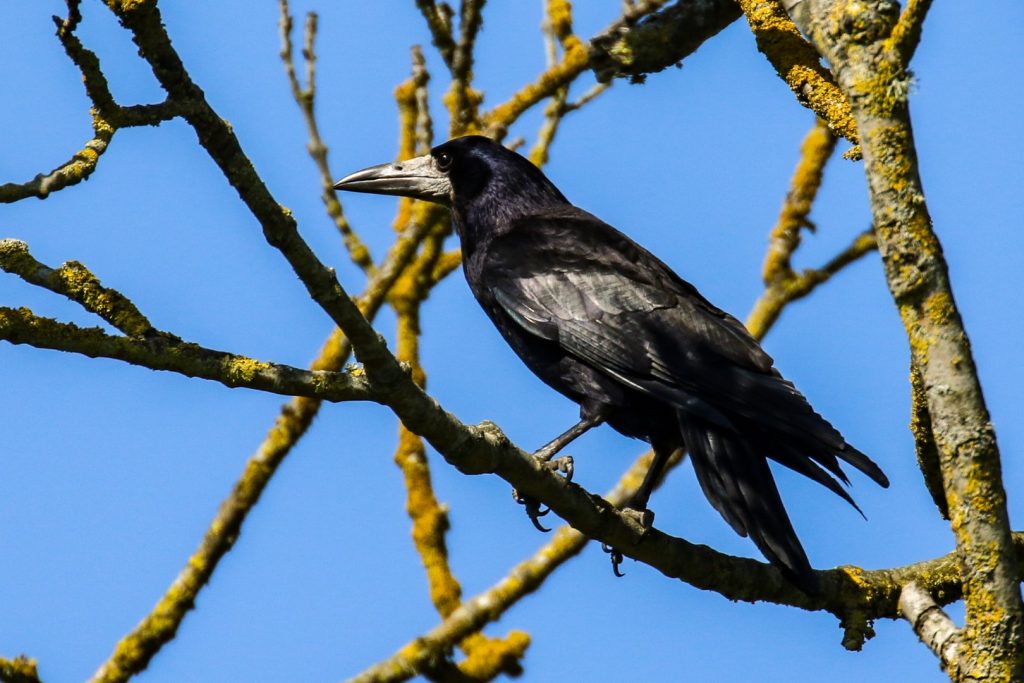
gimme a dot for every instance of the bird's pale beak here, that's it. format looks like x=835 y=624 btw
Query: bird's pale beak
x=418 y=178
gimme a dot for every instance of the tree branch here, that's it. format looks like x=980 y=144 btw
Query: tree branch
x=907 y=33
x=861 y=42
x=575 y=59
x=134 y=652
x=21 y=669
x=798 y=64
x=784 y=239
x=931 y=624
x=74 y=281
x=661 y=40
x=358 y=252
x=161 y=351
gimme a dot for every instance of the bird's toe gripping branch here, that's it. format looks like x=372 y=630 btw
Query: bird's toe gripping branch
x=644 y=518
x=565 y=465
x=533 y=509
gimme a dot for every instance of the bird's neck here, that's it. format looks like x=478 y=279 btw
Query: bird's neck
x=495 y=210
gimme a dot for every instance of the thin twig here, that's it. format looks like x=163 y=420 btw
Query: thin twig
x=798 y=285
x=463 y=101
x=166 y=352
x=77 y=283
x=575 y=59
x=358 y=252
x=439 y=21
x=134 y=651
x=907 y=34
x=784 y=238
x=799 y=65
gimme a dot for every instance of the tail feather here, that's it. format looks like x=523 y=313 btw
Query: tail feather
x=739 y=484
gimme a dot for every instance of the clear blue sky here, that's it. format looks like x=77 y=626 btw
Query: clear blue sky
x=110 y=473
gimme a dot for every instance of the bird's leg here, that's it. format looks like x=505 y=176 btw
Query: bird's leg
x=547 y=453
x=637 y=506
x=564 y=464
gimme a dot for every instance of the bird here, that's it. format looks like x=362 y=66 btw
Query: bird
x=610 y=326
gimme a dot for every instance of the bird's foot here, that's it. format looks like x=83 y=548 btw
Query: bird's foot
x=644 y=518
x=564 y=465
x=533 y=510
x=616 y=558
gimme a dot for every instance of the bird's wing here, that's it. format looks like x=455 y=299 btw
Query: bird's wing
x=570 y=278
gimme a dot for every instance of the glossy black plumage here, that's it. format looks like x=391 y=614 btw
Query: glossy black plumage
x=607 y=324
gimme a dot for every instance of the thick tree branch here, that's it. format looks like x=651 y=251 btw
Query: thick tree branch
x=575 y=59
x=661 y=40
x=861 y=41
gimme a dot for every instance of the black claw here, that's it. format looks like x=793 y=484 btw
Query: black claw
x=616 y=558
x=533 y=510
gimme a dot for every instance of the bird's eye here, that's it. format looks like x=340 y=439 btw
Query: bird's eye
x=444 y=161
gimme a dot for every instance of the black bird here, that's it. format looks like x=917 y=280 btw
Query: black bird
x=604 y=322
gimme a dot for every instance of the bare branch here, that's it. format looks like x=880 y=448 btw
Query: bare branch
x=661 y=40
x=74 y=281
x=463 y=100
x=439 y=21
x=799 y=65
x=798 y=285
x=21 y=669
x=306 y=98
x=871 y=68
x=932 y=625
x=907 y=33
x=784 y=239
x=160 y=351
x=75 y=170
x=575 y=60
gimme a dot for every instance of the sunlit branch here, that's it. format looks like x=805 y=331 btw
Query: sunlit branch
x=21 y=669
x=907 y=33
x=799 y=65
x=306 y=99
x=871 y=67
x=77 y=283
x=931 y=624
x=661 y=40
x=135 y=650
x=784 y=239
x=165 y=352
x=575 y=59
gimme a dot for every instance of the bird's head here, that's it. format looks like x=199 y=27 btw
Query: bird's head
x=471 y=171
